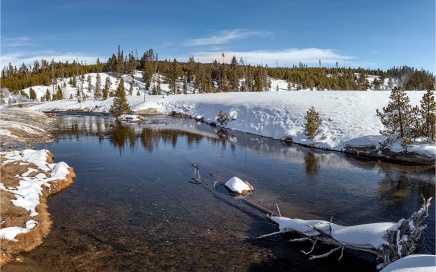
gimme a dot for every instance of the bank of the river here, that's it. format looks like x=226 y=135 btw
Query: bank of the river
x=28 y=178
x=350 y=123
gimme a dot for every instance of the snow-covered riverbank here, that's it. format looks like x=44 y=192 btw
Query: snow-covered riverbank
x=349 y=117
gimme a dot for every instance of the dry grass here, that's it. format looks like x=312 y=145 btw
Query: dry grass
x=59 y=185
x=12 y=215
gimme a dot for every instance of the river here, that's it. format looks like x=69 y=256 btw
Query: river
x=134 y=206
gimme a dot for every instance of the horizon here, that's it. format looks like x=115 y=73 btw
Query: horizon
x=366 y=34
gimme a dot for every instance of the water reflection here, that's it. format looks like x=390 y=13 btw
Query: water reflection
x=312 y=164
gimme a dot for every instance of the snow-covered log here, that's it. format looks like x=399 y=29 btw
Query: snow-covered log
x=389 y=241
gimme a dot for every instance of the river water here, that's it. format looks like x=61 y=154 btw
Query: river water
x=134 y=205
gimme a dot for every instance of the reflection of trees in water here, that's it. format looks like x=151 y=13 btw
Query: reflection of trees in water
x=312 y=164
x=150 y=138
x=120 y=135
x=85 y=126
x=223 y=138
x=399 y=187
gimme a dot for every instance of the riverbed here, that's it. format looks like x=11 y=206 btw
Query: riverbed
x=134 y=205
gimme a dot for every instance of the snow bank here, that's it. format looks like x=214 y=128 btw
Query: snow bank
x=413 y=263
x=349 y=117
x=29 y=190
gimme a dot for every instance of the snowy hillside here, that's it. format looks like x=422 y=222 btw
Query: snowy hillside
x=349 y=117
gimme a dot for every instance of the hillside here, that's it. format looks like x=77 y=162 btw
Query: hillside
x=349 y=117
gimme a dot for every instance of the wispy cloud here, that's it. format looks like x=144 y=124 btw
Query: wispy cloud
x=288 y=57
x=165 y=44
x=226 y=36
x=15 y=41
x=28 y=58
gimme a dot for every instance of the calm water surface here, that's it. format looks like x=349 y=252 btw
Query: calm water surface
x=133 y=206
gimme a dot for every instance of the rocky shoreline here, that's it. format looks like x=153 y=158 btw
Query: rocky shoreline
x=23 y=128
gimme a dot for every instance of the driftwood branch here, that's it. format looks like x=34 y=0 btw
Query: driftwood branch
x=400 y=240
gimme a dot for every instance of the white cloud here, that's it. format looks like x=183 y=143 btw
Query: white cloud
x=28 y=58
x=288 y=57
x=165 y=44
x=15 y=41
x=225 y=37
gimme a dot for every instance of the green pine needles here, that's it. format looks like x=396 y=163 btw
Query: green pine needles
x=120 y=105
x=313 y=121
x=401 y=120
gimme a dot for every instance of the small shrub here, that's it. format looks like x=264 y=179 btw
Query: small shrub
x=222 y=118
x=313 y=121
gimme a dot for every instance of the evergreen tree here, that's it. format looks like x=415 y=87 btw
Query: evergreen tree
x=397 y=117
x=234 y=75
x=313 y=121
x=97 y=93
x=258 y=79
x=32 y=94
x=428 y=115
x=131 y=88
x=173 y=75
x=107 y=86
x=47 y=95
x=185 y=85
x=89 y=80
x=120 y=105
x=59 y=94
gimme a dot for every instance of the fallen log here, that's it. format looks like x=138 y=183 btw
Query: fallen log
x=389 y=241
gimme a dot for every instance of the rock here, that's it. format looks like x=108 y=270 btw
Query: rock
x=238 y=186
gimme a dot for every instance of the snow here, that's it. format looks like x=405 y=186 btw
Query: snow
x=237 y=185
x=131 y=118
x=28 y=192
x=299 y=225
x=11 y=232
x=366 y=235
x=413 y=263
x=349 y=117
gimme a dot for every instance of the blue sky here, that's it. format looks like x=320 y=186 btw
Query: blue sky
x=367 y=33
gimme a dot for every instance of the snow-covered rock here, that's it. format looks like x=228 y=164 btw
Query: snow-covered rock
x=238 y=186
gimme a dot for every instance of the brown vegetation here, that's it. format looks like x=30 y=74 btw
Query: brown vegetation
x=12 y=215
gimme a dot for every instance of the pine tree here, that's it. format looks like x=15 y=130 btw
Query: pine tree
x=313 y=121
x=120 y=105
x=97 y=93
x=107 y=86
x=47 y=95
x=89 y=79
x=397 y=116
x=131 y=88
x=173 y=75
x=32 y=94
x=428 y=115
x=185 y=85
x=59 y=94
